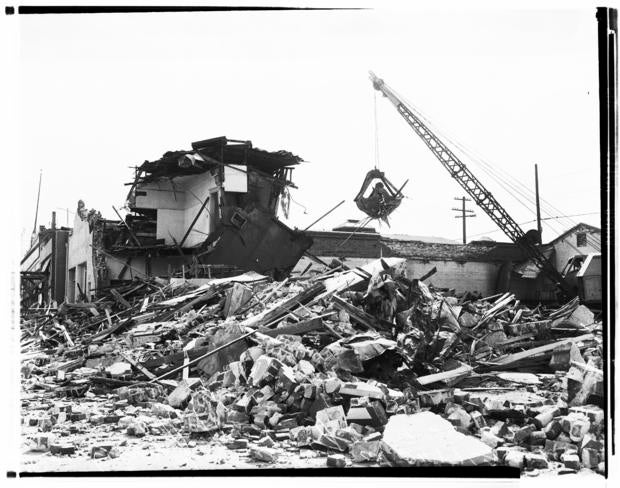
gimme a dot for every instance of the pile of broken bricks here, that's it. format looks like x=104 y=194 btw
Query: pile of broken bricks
x=360 y=366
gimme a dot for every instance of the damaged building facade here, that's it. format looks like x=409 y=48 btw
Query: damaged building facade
x=43 y=267
x=191 y=213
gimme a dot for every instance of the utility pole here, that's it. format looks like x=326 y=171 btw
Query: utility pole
x=465 y=213
x=537 y=204
x=36 y=213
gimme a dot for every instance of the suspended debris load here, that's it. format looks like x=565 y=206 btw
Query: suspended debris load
x=383 y=199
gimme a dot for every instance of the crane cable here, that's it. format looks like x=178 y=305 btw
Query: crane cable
x=376 y=120
x=489 y=170
x=517 y=186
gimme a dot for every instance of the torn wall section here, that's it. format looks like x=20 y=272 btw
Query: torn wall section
x=215 y=205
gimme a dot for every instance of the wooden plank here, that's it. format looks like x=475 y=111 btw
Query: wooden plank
x=124 y=269
x=102 y=335
x=445 y=375
x=359 y=316
x=133 y=236
x=512 y=358
x=139 y=367
x=290 y=304
x=118 y=297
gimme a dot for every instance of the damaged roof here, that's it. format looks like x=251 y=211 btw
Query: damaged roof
x=209 y=153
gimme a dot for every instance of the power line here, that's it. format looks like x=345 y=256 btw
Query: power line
x=543 y=219
x=511 y=187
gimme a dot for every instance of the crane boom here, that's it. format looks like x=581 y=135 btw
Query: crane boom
x=474 y=188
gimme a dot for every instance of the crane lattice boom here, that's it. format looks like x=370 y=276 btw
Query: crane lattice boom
x=474 y=188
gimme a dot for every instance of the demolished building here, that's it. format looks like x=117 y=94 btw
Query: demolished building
x=192 y=213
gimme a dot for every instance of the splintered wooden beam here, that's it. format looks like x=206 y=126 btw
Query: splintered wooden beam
x=463 y=370
x=359 y=316
x=119 y=298
x=513 y=358
x=133 y=236
x=138 y=366
x=429 y=274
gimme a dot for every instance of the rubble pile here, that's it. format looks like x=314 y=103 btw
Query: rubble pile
x=359 y=366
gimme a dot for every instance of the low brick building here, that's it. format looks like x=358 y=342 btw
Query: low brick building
x=486 y=267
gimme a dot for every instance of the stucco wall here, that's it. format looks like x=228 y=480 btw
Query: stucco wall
x=177 y=205
x=79 y=251
x=201 y=185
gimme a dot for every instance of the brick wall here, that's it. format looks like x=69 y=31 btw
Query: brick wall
x=473 y=267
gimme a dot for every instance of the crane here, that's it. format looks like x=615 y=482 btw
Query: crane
x=474 y=188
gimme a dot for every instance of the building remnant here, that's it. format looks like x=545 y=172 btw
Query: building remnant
x=43 y=267
x=192 y=213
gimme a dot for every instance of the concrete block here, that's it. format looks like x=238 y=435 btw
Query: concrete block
x=489 y=438
x=332 y=385
x=237 y=444
x=62 y=448
x=365 y=451
x=537 y=438
x=571 y=461
x=425 y=438
x=331 y=419
x=553 y=429
x=264 y=454
x=42 y=442
x=373 y=415
x=523 y=434
x=305 y=367
x=180 y=395
x=265 y=442
x=478 y=419
x=515 y=459
x=336 y=461
x=362 y=390
x=301 y=436
x=590 y=458
x=460 y=418
x=536 y=461
x=433 y=398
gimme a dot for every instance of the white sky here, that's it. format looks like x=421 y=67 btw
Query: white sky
x=101 y=93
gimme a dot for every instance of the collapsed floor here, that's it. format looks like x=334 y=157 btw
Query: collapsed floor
x=351 y=367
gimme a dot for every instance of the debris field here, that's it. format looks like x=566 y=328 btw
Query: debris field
x=343 y=368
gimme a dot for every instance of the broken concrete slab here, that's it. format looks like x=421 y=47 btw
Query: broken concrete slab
x=427 y=439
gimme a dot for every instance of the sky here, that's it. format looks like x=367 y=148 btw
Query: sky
x=99 y=94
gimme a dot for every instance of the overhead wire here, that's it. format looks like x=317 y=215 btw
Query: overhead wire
x=531 y=221
x=508 y=182
x=514 y=183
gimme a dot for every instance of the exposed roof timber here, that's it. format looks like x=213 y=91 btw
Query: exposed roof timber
x=218 y=149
